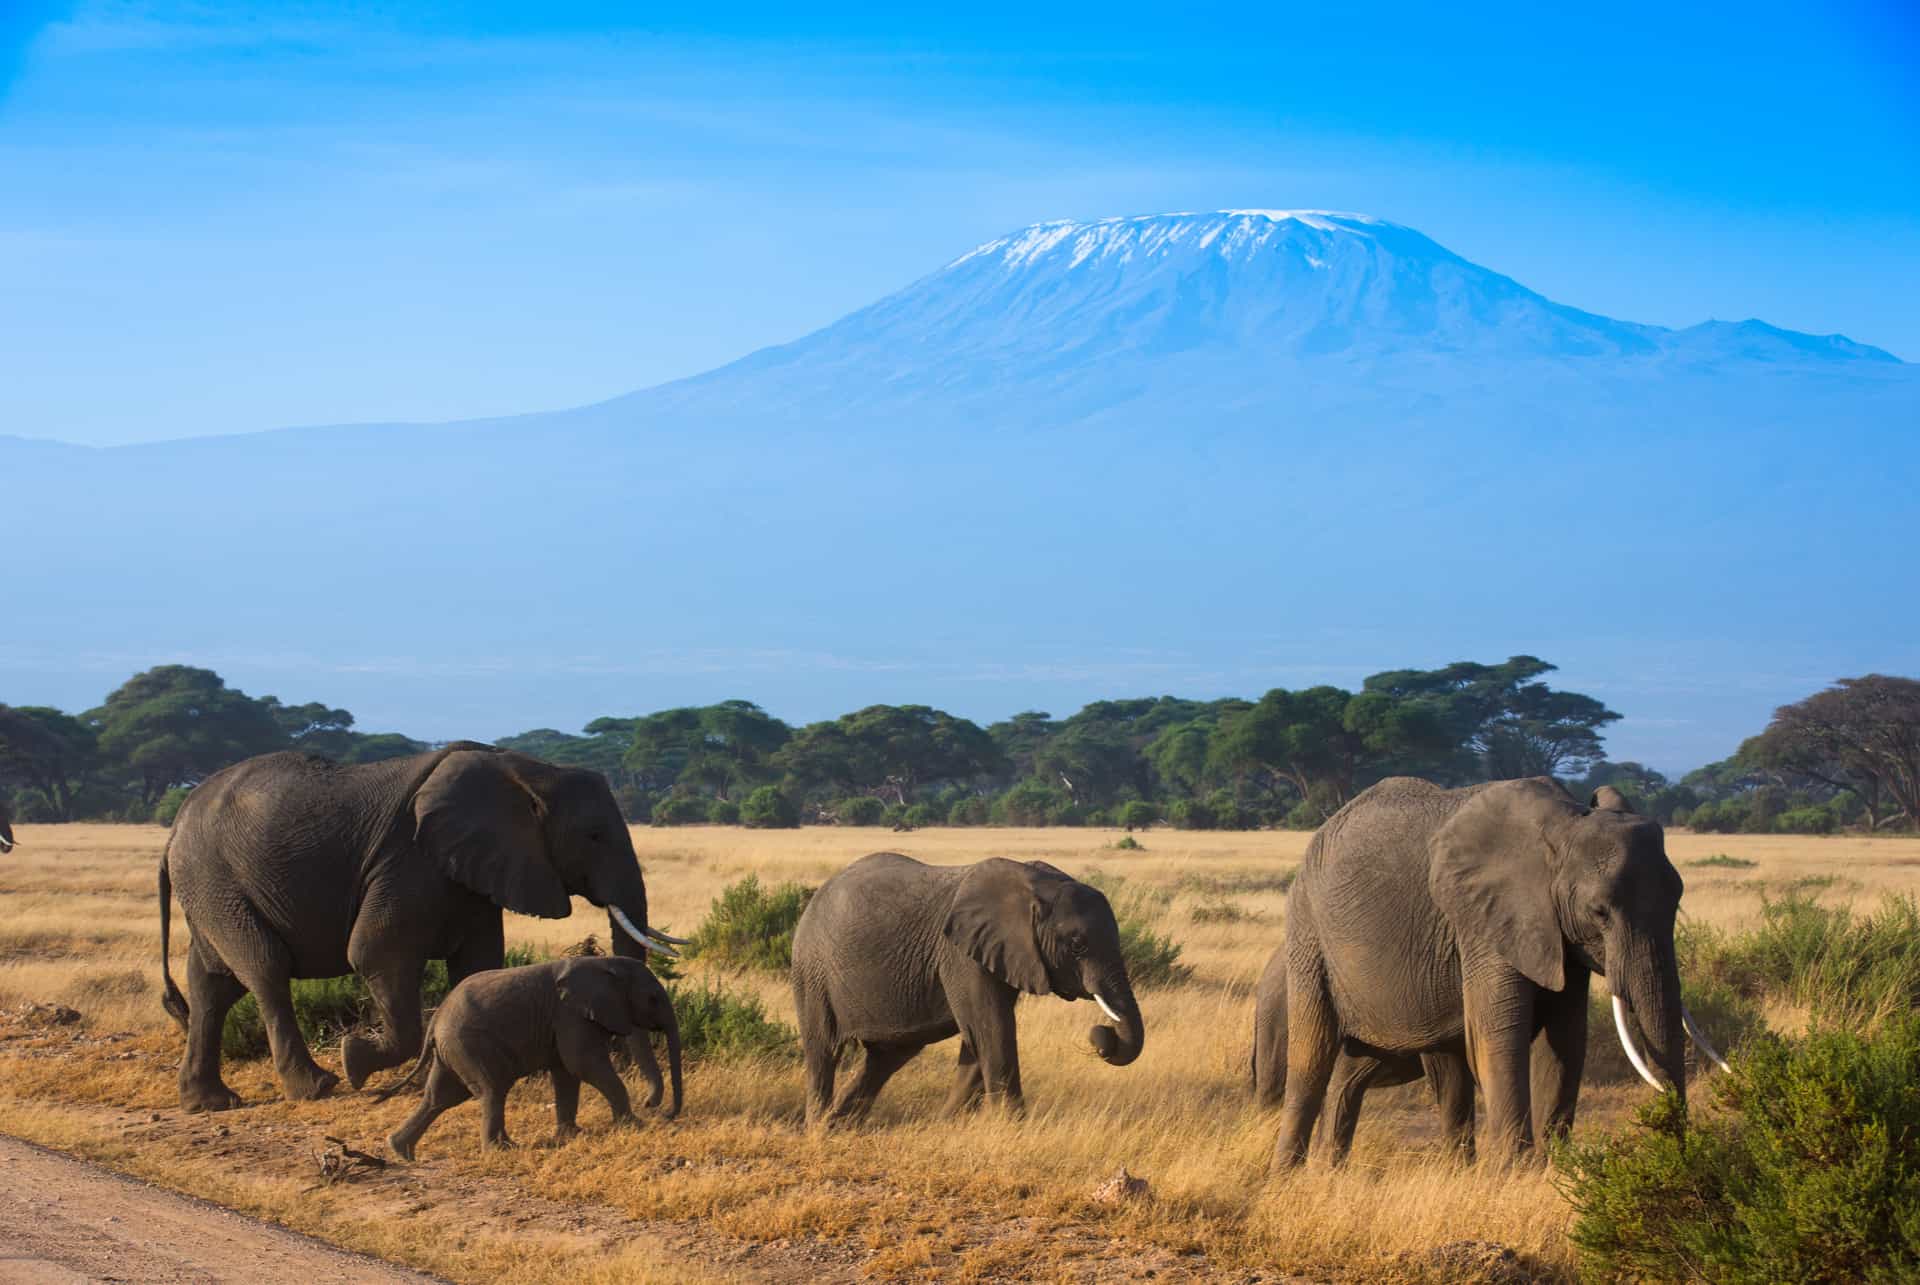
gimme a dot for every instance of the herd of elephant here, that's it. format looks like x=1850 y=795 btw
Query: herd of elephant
x=1449 y=934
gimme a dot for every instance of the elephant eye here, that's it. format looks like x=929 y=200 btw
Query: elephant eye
x=1077 y=943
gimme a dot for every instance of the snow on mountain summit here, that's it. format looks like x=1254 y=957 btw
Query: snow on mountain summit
x=1227 y=233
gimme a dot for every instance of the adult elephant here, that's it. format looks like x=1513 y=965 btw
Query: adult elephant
x=1429 y=921
x=6 y=830
x=293 y=866
x=896 y=955
x=1355 y=1071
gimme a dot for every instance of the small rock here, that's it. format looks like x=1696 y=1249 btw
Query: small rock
x=1122 y=1187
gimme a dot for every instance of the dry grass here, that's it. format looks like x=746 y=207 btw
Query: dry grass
x=736 y=1188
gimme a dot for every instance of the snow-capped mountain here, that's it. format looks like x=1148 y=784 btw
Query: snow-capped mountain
x=1195 y=452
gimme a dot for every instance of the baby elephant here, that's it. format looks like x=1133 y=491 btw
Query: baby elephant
x=560 y=1017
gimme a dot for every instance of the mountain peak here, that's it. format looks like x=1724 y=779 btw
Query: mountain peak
x=1226 y=233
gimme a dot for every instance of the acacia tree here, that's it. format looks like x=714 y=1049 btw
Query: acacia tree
x=889 y=751
x=1861 y=734
x=176 y=725
x=1501 y=718
x=46 y=751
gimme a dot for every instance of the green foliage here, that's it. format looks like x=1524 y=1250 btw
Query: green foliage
x=169 y=806
x=719 y=1023
x=1127 y=843
x=751 y=927
x=176 y=725
x=921 y=815
x=1031 y=802
x=680 y=809
x=892 y=749
x=768 y=808
x=1722 y=861
x=707 y=748
x=1153 y=958
x=723 y=812
x=973 y=810
x=1808 y=1171
x=1137 y=814
x=859 y=810
x=1846 y=966
x=1189 y=814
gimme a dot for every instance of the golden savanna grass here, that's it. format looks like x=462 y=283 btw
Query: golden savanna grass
x=736 y=1187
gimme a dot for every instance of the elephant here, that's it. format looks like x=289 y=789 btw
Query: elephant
x=1355 y=1071
x=1468 y=923
x=897 y=955
x=560 y=1017
x=6 y=831
x=289 y=865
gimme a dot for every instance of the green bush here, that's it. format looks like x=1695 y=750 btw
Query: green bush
x=329 y=1007
x=718 y=1023
x=970 y=811
x=921 y=815
x=1137 y=814
x=1811 y=820
x=680 y=809
x=1831 y=960
x=1303 y=816
x=1807 y=1171
x=751 y=927
x=862 y=809
x=1031 y=802
x=1722 y=861
x=1153 y=958
x=1127 y=843
x=1228 y=814
x=723 y=812
x=769 y=809
x=1190 y=814
x=169 y=806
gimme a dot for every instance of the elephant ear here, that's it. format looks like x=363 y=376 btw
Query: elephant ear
x=480 y=821
x=994 y=913
x=591 y=989
x=1492 y=877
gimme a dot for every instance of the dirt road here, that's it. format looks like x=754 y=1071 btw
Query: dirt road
x=64 y=1221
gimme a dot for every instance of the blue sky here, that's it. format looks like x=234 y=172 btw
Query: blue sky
x=220 y=217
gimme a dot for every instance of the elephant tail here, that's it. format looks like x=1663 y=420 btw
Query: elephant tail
x=420 y=1068
x=170 y=998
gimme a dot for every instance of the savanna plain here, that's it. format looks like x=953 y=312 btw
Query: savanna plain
x=737 y=1188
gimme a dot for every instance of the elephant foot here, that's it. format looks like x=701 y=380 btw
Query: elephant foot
x=501 y=1143
x=199 y=1095
x=360 y=1058
x=401 y=1145
x=563 y=1134
x=309 y=1085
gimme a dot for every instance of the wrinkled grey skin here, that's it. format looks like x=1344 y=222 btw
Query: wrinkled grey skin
x=292 y=866
x=560 y=1017
x=6 y=830
x=1354 y=1072
x=1433 y=921
x=896 y=955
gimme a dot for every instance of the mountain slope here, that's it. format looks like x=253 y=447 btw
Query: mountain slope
x=1202 y=452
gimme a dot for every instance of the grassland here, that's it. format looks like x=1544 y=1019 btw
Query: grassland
x=737 y=1189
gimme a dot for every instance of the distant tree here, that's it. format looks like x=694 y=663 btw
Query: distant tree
x=312 y=728
x=1861 y=734
x=889 y=751
x=1137 y=814
x=1299 y=737
x=373 y=747
x=716 y=748
x=768 y=808
x=176 y=725
x=47 y=752
x=1021 y=737
x=1505 y=722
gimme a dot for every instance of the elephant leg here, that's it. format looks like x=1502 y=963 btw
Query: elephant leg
x=1499 y=1007
x=484 y=947
x=566 y=1102
x=969 y=1086
x=1353 y=1075
x=819 y=1049
x=1313 y=1047
x=877 y=1066
x=211 y=992
x=1559 y=1056
x=592 y=1060
x=264 y=966
x=493 y=1106
x=985 y=1018
x=396 y=994
x=1270 y=1047
x=1452 y=1083
x=639 y=1050
x=444 y=1090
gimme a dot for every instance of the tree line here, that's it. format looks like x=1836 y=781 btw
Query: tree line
x=1845 y=757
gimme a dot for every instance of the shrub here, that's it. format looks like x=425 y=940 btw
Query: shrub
x=1829 y=959
x=1813 y=820
x=921 y=815
x=1723 y=861
x=1153 y=959
x=718 y=1023
x=862 y=809
x=1807 y=1172
x=970 y=811
x=1137 y=814
x=723 y=812
x=169 y=806
x=1190 y=814
x=1303 y=816
x=1228 y=814
x=680 y=809
x=751 y=927
x=769 y=809
x=1030 y=802
x=1127 y=843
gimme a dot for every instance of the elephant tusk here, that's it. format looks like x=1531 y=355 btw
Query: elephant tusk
x=641 y=935
x=5 y=846
x=669 y=938
x=1626 y=1042
x=1700 y=1038
x=1108 y=1009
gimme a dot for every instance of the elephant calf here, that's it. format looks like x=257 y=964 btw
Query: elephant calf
x=896 y=955
x=560 y=1017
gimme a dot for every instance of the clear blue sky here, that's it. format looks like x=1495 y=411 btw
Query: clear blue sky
x=222 y=217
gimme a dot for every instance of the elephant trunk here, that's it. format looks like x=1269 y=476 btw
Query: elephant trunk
x=1646 y=975
x=1119 y=1044
x=640 y=1049
x=673 y=1061
x=625 y=897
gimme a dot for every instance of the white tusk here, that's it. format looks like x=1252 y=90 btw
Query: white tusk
x=669 y=938
x=1108 y=1009
x=1626 y=1042
x=641 y=935
x=1700 y=1038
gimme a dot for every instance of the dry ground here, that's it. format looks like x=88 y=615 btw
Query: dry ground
x=736 y=1189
